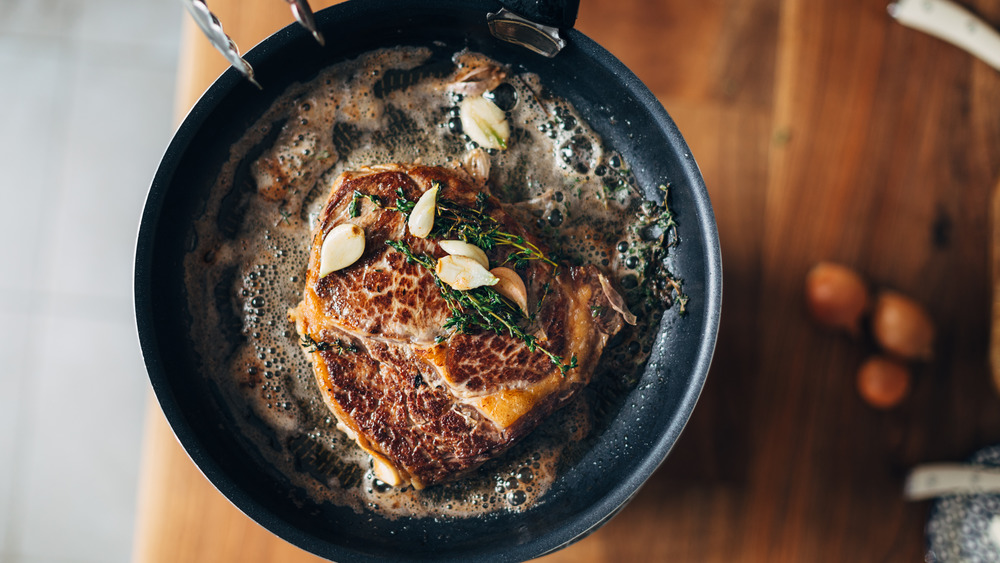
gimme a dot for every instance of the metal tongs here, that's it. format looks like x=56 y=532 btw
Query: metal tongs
x=212 y=28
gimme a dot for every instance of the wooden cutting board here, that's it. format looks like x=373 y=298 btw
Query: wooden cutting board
x=995 y=271
x=825 y=131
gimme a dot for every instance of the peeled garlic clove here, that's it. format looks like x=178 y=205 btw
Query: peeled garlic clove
x=421 y=219
x=461 y=248
x=462 y=272
x=484 y=122
x=512 y=287
x=385 y=472
x=343 y=245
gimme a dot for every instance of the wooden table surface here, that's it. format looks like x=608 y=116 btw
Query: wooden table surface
x=825 y=131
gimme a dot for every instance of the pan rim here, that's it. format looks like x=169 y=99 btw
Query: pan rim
x=573 y=528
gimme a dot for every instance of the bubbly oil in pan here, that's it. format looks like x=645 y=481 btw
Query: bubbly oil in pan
x=248 y=267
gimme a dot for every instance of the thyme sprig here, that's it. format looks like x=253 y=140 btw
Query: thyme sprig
x=658 y=283
x=545 y=293
x=310 y=345
x=481 y=308
x=354 y=209
x=403 y=205
x=661 y=218
x=475 y=225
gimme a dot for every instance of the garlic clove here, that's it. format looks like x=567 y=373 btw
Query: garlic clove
x=343 y=245
x=385 y=472
x=484 y=122
x=462 y=272
x=477 y=164
x=421 y=219
x=461 y=248
x=512 y=287
x=616 y=300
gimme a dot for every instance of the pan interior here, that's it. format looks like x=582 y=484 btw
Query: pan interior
x=626 y=116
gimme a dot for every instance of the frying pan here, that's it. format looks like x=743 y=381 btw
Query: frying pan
x=627 y=449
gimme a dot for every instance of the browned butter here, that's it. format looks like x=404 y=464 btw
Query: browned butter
x=248 y=266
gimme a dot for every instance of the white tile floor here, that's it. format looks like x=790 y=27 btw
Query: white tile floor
x=86 y=98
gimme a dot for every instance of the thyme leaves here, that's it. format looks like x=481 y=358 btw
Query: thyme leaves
x=657 y=224
x=475 y=225
x=402 y=204
x=482 y=308
x=354 y=208
x=310 y=345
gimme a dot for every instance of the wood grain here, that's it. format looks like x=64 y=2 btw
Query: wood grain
x=825 y=131
x=995 y=271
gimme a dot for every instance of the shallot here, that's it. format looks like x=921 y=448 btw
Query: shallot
x=837 y=297
x=902 y=327
x=883 y=383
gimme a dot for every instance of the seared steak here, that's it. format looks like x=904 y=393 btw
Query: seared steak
x=428 y=402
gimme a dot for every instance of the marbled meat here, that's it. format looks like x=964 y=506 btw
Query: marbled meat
x=429 y=403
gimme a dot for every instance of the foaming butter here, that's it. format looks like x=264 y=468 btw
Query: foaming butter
x=248 y=267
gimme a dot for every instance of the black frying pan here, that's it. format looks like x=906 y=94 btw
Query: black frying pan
x=650 y=418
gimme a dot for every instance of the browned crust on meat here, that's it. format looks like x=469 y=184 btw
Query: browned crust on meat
x=421 y=428
x=433 y=404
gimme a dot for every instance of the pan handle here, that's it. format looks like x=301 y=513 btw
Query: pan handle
x=554 y=13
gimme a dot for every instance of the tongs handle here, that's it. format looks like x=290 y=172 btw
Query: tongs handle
x=304 y=15
x=212 y=28
x=949 y=21
x=940 y=479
